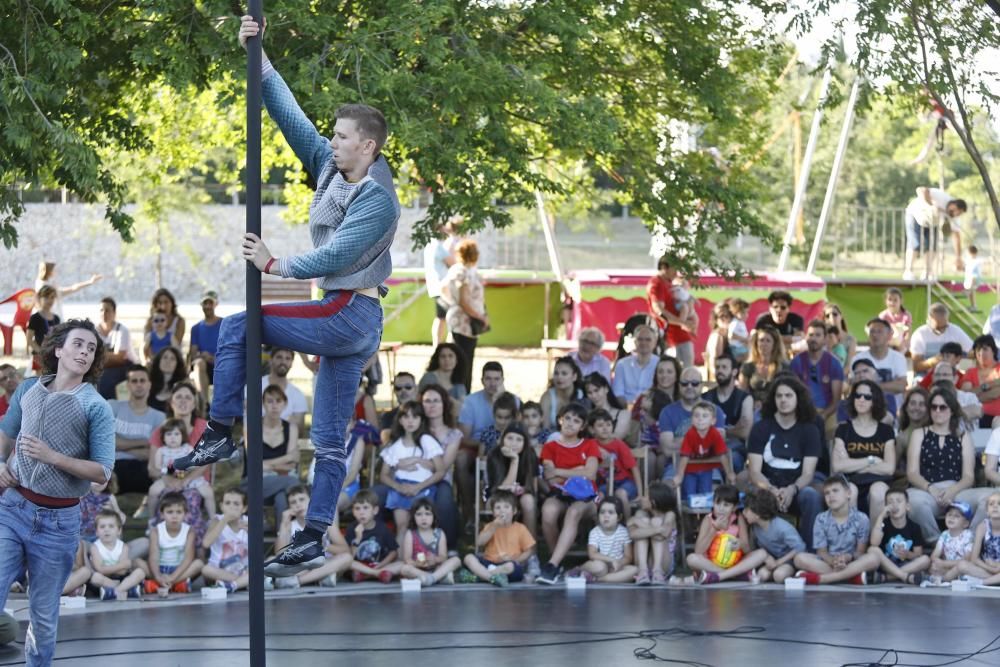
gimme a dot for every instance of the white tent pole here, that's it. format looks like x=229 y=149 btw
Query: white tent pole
x=831 y=186
x=800 y=191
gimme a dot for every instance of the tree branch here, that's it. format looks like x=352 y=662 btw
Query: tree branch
x=13 y=64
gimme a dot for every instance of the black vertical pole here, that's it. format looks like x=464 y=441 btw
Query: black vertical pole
x=253 y=427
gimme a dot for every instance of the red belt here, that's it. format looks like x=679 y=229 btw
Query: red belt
x=48 y=502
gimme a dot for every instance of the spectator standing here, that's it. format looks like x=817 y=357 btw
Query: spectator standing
x=780 y=317
x=464 y=291
x=47 y=275
x=634 y=372
x=204 y=342
x=821 y=372
x=135 y=422
x=439 y=256
x=118 y=343
x=926 y=342
x=924 y=222
x=784 y=449
x=663 y=306
x=588 y=356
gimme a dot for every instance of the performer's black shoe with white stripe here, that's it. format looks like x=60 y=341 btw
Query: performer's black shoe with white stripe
x=303 y=553
x=213 y=446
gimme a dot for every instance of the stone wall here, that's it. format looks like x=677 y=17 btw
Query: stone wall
x=196 y=253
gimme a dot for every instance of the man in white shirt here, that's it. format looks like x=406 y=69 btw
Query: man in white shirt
x=926 y=342
x=889 y=364
x=439 y=254
x=925 y=215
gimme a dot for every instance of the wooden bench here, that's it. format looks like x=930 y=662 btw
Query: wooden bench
x=276 y=290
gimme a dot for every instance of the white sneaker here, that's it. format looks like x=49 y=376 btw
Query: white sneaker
x=286 y=582
x=268 y=584
x=329 y=581
x=534 y=567
x=449 y=579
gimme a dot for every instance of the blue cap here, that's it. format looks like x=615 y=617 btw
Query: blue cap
x=962 y=507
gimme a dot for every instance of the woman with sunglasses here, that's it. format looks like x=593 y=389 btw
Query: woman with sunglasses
x=939 y=464
x=864 y=448
x=833 y=317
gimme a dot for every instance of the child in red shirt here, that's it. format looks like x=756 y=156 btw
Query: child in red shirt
x=705 y=444
x=628 y=481
x=570 y=463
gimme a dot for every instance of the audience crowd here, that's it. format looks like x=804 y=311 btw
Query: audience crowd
x=810 y=452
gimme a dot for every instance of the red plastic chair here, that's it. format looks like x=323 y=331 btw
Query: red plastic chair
x=15 y=311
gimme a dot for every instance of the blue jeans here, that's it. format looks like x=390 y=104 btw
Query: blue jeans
x=807 y=505
x=696 y=482
x=344 y=329
x=44 y=541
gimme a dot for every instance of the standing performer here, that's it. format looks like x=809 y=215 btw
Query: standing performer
x=352 y=221
x=57 y=438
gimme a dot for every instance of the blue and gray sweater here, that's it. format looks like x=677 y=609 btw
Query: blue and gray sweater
x=351 y=224
x=78 y=423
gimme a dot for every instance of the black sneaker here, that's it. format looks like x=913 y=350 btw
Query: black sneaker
x=304 y=553
x=211 y=448
x=550 y=574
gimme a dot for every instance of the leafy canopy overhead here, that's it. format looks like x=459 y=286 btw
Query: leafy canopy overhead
x=487 y=101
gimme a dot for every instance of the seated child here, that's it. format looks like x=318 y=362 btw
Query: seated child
x=504 y=413
x=628 y=481
x=373 y=546
x=840 y=537
x=706 y=445
x=409 y=463
x=778 y=538
x=507 y=546
x=338 y=553
x=898 y=542
x=361 y=435
x=171 y=564
x=654 y=529
x=175 y=445
x=76 y=585
x=984 y=562
x=513 y=467
x=109 y=557
x=609 y=547
x=570 y=462
x=722 y=550
x=425 y=548
x=531 y=417
x=228 y=537
x=954 y=546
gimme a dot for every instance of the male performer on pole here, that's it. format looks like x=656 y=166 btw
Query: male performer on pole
x=352 y=221
x=57 y=437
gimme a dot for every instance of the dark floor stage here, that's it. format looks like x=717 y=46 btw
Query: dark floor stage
x=540 y=626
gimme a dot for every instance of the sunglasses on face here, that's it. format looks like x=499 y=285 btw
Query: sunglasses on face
x=939 y=407
x=863 y=397
x=402 y=387
x=690 y=383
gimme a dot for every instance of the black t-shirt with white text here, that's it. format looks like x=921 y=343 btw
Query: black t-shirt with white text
x=793 y=323
x=783 y=449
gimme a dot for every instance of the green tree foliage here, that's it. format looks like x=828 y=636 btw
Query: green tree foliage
x=487 y=101
x=926 y=52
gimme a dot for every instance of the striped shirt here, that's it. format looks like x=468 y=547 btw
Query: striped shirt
x=613 y=545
